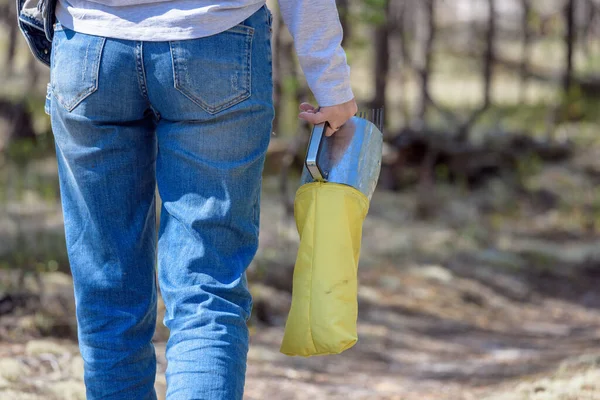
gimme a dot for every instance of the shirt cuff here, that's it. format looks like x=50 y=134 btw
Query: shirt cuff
x=334 y=95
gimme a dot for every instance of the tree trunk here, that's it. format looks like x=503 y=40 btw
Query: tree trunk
x=588 y=28
x=382 y=60
x=32 y=73
x=526 y=6
x=425 y=33
x=569 y=15
x=489 y=53
x=488 y=68
x=344 y=11
x=401 y=27
x=12 y=40
x=406 y=29
x=425 y=37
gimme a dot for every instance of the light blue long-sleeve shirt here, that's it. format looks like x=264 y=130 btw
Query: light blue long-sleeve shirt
x=314 y=25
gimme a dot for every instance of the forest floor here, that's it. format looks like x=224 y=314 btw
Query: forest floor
x=494 y=296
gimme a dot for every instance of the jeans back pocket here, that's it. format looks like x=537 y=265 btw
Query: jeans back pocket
x=214 y=71
x=75 y=66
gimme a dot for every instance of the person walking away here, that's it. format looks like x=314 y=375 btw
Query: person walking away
x=178 y=94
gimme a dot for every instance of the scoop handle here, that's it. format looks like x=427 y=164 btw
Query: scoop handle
x=314 y=148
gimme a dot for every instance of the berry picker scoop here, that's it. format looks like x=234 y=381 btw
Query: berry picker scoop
x=338 y=181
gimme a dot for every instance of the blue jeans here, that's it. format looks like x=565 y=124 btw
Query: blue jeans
x=193 y=117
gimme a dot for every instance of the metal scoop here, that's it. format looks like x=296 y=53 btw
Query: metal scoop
x=351 y=156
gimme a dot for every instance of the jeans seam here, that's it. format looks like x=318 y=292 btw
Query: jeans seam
x=141 y=73
x=248 y=63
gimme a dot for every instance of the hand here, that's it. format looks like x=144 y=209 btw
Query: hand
x=335 y=116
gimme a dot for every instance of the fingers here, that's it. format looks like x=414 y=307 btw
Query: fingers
x=312 y=117
x=307 y=107
x=335 y=115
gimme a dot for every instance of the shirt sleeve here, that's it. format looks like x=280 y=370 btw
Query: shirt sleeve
x=317 y=32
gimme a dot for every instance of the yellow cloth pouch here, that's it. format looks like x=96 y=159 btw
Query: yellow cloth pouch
x=322 y=318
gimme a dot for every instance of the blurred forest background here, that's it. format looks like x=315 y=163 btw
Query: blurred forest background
x=480 y=267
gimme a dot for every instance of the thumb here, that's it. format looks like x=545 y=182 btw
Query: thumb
x=313 y=118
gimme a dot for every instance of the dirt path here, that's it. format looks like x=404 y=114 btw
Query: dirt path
x=443 y=339
x=432 y=338
x=451 y=308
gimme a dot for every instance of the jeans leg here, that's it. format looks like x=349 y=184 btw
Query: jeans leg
x=208 y=236
x=214 y=96
x=209 y=181
x=106 y=151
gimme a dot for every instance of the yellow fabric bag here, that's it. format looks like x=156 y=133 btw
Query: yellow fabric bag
x=324 y=311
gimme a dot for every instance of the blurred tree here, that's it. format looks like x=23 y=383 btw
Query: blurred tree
x=589 y=25
x=425 y=35
x=489 y=57
x=8 y=18
x=526 y=32
x=344 y=11
x=382 y=58
x=569 y=39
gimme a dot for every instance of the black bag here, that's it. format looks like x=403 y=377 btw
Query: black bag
x=36 y=22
